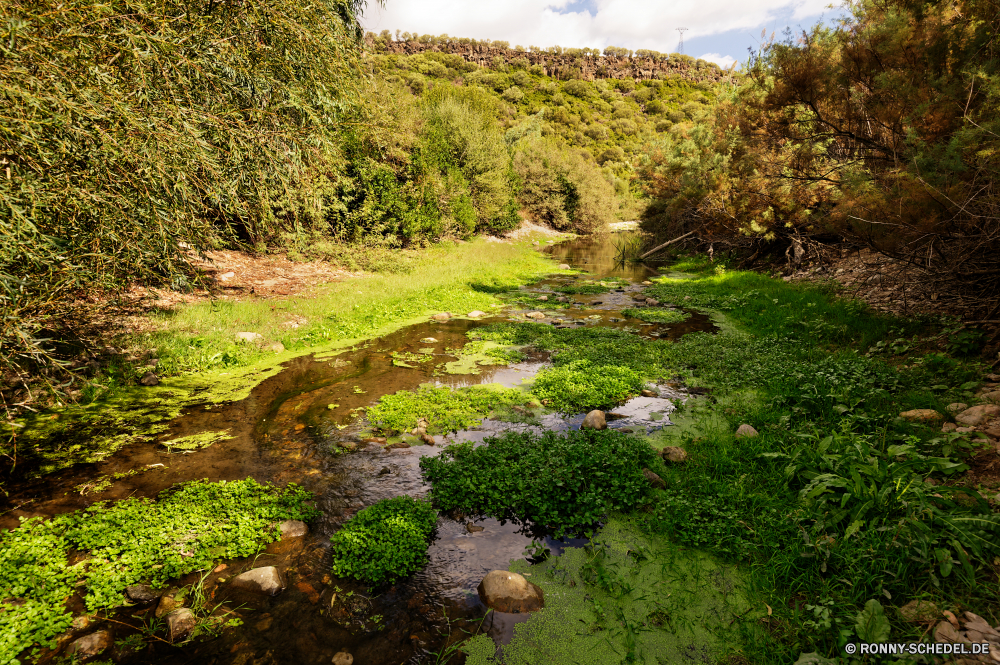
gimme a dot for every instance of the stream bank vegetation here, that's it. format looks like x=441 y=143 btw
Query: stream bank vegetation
x=787 y=164
x=90 y=556
x=832 y=519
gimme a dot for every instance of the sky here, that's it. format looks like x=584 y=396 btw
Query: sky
x=718 y=30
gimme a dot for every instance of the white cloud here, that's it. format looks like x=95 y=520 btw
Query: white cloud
x=724 y=61
x=633 y=24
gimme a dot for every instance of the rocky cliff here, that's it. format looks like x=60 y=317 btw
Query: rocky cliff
x=570 y=64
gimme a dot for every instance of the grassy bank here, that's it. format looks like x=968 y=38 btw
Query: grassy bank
x=201 y=360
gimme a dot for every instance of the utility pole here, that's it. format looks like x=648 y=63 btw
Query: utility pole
x=680 y=48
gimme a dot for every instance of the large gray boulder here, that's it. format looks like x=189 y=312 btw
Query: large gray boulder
x=504 y=591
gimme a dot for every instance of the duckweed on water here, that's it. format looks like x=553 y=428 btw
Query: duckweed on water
x=189 y=527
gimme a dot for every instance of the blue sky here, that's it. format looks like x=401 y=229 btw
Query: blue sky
x=718 y=30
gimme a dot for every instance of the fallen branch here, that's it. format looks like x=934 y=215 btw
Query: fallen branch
x=669 y=242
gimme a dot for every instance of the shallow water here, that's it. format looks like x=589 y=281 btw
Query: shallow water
x=288 y=429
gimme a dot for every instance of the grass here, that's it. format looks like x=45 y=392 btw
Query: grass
x=200 y=361
x=188 y=528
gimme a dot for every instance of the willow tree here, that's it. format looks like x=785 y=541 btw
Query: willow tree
x=132 y=129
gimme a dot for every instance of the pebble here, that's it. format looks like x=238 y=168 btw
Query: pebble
x=249 y=337
x=745 y=431
x=150 y=379
x=654 y=479
x=921 y=416
x=266 y=580
x=674 y=454
x=180 y=623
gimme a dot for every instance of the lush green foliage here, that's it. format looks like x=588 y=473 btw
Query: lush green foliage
x=573 y=142
x=581 y=386
x=132 y=126
x=627 y=597
x=188 y=528
x=656 y=315
x=384 y=542
x=832 y=501
x=444 y=409
x=563 y=482
x=200 y=361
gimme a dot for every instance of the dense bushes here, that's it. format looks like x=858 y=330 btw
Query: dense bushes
x=906 y=164
x=565 y=482
x=562 y=188
x=131 y=126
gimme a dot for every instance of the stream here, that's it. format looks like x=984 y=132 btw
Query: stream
x=304 y=425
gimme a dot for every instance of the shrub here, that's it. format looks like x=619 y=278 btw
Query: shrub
x=513 y=94
x=561 y=188
x=565 y=482
x=384 y=542
x=578 y=88
x=158 y=122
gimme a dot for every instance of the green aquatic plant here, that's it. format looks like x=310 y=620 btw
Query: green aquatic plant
x=565 y=482
x=583 y=385
x=656 y=315
x=627 y=597
x=443 y=408
x=384 y=542
x=187 y=528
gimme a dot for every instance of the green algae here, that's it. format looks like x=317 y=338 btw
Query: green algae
x=627 y=597
x=197 y=441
